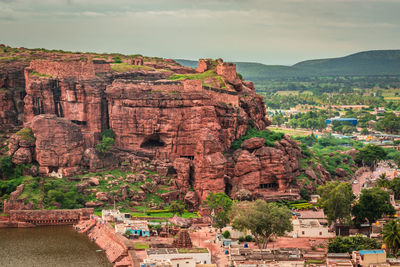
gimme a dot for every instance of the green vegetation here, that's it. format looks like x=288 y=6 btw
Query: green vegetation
x=218 y=208
x=107 y=141
x=336 y=200
x=391 y=236
x=343 y=244
x=141 y=245
x=370 y=155
x=177 y=208
x=226 y=234
x=6 y=167
x=192 y=250
x=26 y=134
x=263 y=220
x=208 y=78
x=269 y=136
x=372 y=205
x=124 y=67
x=37 y=74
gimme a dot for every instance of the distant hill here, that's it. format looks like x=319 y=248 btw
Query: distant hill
x=377 y=62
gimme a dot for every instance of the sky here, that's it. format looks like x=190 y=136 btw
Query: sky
x=266 y=31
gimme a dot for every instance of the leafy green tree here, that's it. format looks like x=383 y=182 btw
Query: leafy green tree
x=218 y=206
x=108 y=133
x=6 y=167
x=348 y=244
x=177 y=208
x=373 y=203
x=391 y=236
x=263 y=220
x=370 y=155
x=226 y=234
x=336 y=199
x=105 y=144
x=395 y=187
x=364 y=131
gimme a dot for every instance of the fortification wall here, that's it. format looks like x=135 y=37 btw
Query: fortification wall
x=66 y=69
x=227 y=70
x=50 y=217
x=222 y=96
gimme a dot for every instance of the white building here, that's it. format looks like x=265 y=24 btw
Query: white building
x=310 y=228
x=200 y=255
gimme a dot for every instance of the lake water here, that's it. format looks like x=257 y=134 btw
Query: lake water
x=58 y=246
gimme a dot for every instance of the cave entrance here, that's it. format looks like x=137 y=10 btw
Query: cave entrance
x=191 y=176
x=228 y=186
x=151 y=141
x=268 y=186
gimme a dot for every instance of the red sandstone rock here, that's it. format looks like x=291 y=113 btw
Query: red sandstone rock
x=191 y=200
x=59 y=143
x=253 y=143
x=14 y=195
x=182 y=167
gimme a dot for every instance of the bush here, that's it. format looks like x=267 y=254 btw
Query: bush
x=117 y=59
x=304 y=194
x=26 y=134
x=108 y=133
x=269 y=136
x=6 y=167
x=226 y=234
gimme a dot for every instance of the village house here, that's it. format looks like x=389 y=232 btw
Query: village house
x=366 y=258
x=136 y=228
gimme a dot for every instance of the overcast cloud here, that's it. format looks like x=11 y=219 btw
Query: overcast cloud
x=267 y=31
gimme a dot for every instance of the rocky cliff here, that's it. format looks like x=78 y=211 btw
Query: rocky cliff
x=158 y=110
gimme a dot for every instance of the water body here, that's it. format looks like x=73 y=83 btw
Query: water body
x=58 y=246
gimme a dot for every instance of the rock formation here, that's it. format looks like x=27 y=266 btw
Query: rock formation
x=187 y=124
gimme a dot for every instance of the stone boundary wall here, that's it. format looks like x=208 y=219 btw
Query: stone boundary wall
x=50 y=217
x=106 y=238
x=69 y=69
x=219 y=95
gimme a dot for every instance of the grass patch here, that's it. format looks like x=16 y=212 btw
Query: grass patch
x=125 y=67
x=269 y=136
x=140 y=245
x=210 y=74
x=37 y=74
x=291 y=132
x=26 y=134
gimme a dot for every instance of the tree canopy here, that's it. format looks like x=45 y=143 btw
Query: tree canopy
x=263 y=220
x=370 y=155
x=391 y=236
x=373 y=203
x=218 y=206
x=343 y=244
x=336 y=199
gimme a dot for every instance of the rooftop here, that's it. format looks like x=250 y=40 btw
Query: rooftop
x=160 y=251
x=378 y=251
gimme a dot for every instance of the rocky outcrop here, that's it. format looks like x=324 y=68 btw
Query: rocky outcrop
x=59 y=144
x=260 y=169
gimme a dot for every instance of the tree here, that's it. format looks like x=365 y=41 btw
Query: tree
x=372 y=205
x=343 y=244
x=218 y=206
x=105 y=144
x=370 y=155
x=336 y=199
x=395 y=187
x=263 y=220
x=6 y=167
x=364 y=131
x=391 y=236
x=177 y=208
x=383 y=181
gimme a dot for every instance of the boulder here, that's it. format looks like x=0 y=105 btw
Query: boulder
x=253 y=143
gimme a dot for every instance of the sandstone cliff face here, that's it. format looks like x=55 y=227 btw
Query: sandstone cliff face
x=184 y=123
x=59 y=144
x=260 y=169
x=12 y=84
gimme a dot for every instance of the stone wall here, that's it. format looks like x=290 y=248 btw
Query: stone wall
x=67 y=69
x=227 y=70
x=50 y=217
x=223 y=96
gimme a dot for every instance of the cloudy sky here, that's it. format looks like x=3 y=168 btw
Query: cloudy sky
x=267 y=31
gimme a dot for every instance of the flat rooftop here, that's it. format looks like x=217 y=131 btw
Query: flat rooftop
x=162 y=251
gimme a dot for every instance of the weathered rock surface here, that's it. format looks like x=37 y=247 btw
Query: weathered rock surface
x=265 y=168
x=59 y=144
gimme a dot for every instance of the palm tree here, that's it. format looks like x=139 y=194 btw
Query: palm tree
x=391 y=236
x=383 y=181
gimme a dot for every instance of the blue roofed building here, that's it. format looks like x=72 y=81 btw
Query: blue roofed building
x=353 y=121
x=369 y=257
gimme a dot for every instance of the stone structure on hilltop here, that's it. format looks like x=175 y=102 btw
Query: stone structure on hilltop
x=187 y=124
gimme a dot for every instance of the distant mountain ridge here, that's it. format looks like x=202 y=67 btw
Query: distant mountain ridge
x=367 y=63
